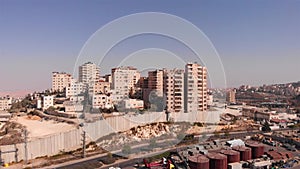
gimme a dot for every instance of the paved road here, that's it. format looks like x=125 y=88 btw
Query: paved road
x=96 y=159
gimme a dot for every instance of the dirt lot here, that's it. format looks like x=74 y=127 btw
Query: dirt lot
x=38 y=127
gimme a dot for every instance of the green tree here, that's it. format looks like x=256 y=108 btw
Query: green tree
x=51 y=109
x=109 y=155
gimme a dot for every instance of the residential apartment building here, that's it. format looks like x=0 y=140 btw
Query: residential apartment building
x=48 y=101
x=124 y=80
x=72 y=107
x=108 y=78
x=174 y=90
x=140 y=87
x=77 y=98
x=60 y=80
x=75 y=88
x=257 y=113
x=230 y=97
x=39 y=103
x=75 y=104
x=130 y=104
x=195 y=88
x=155 y=82
x=5 y=103
x=102 y=101
x=100 y=86
x=89 y=73
x=152 y=86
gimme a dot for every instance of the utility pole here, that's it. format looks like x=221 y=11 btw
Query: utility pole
x=25 y=145
x=1 y=161
x=83 y=144
x=16 y=154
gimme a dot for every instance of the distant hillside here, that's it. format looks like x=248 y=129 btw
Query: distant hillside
x=18 y=93
x=287 y=89
x=296 y=84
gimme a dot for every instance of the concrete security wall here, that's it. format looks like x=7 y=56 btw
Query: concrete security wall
x=54 y=144
x=14 y=156
x=67 y=141
x=46 y=146
x=115 y=124
x=205 y=117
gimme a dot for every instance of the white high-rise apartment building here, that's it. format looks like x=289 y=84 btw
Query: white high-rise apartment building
x=195 y=88
x=124 y=80
x=75 y=88
x=60 y=80
x=89 y=73
x=174 y=90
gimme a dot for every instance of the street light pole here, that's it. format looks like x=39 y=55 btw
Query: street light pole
x=83 y=144
x=25 y=146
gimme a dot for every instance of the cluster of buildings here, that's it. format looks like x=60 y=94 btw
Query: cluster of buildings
x=276 y=118
x=124 y=89
x=279 y=119
x=288 y=89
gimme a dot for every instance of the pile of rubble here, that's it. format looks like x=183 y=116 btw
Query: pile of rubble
x=117 y=140
x=34 y=117
x=140 y=133
x=148 y=131
x=11 y=133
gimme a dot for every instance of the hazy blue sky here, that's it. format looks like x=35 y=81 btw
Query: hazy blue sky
x=258 y=41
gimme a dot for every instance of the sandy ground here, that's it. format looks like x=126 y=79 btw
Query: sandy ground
x=199 y=130
x=38 y=128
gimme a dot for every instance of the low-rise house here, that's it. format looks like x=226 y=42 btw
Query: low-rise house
x=5 y=103
x=102 y=101
x=72 y=106
x=130 y=104
x=48 y=101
